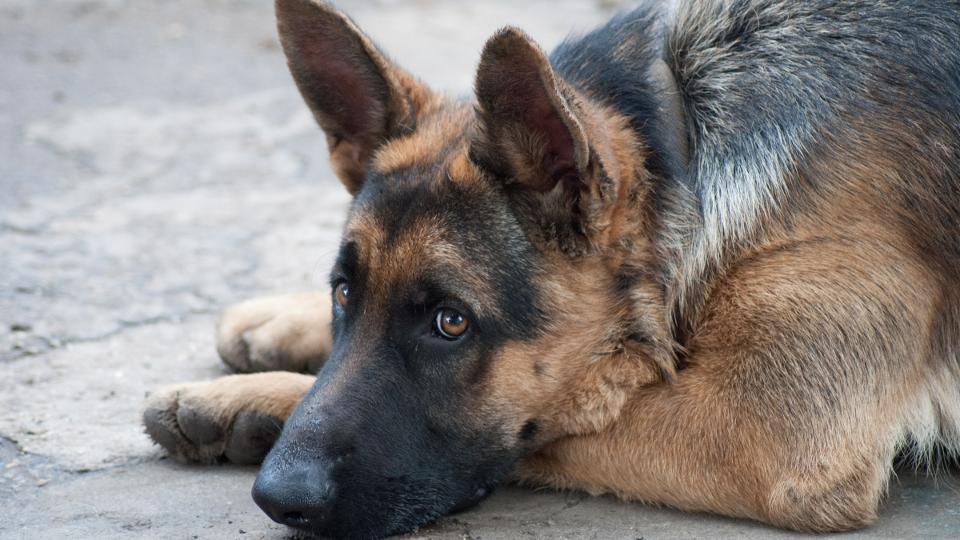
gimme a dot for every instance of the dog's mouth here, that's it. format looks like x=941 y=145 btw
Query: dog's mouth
x=308 y=527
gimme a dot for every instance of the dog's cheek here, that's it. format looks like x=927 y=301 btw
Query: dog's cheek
x=595 y=399
x=538 y=397
x=519 y=397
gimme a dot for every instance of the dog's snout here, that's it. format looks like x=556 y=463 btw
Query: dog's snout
x=299 y=495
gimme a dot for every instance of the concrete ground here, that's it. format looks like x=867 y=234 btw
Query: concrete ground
x=156 y=164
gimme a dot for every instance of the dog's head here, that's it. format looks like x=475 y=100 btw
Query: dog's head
x=486 y=286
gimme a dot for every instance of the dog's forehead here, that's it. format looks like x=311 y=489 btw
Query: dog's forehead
x=442 y=133
x=427 y=213
x=412 y=228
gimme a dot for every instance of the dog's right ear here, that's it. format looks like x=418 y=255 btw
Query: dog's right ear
x=358 y=96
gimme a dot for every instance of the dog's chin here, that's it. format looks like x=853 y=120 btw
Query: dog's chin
x=415 y=519
x=476 y=498
x=402 y=520
x=411 y=521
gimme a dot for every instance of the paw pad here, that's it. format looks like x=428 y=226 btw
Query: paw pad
x=192 y=431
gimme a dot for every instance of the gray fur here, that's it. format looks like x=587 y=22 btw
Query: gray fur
x=767 y=85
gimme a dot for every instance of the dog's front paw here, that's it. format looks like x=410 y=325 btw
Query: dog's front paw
x=276 y=333
x=235 y=418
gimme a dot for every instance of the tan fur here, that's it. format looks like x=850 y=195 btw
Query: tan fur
x=738 y=433
x=276 y=333
x=702 y=442
x=272 y=394
x=422 y=244
x=820 y=457
x=575 y=378
x=437 y=126
x=464 y=171
x=203 y=421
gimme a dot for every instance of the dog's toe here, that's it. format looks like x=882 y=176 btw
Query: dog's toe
x=254 y=350
x=161 y=426
x=199 y=426
x=235 y=418
x=185 y=430
x=252 y=437
x=233 y=350
x=277 y=333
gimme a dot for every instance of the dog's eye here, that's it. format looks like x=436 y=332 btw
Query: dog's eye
x=450 y=323
x=342 y=293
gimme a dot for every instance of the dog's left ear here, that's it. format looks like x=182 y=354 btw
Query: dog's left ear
x=529 y=131
x=359 y=97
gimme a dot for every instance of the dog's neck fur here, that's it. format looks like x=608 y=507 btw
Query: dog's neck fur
x=630 y=59
x=636 y=240
x=616 y=234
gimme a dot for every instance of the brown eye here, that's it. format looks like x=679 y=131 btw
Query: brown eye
x=450 y=324
x=342 y=294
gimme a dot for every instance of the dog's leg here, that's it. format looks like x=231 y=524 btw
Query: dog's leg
x=237 y=417
x=802 y=381
x=276 y=333
x=686 y=450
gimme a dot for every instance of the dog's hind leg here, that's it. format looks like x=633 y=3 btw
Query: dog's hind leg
x=276 y=333
x=236 y=418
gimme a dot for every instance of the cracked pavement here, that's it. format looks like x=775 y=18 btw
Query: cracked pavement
x=157 y=165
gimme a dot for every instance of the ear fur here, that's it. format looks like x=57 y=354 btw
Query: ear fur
x=357 y=95
x=529 y=131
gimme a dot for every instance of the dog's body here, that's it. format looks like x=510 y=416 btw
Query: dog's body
x=707 y=257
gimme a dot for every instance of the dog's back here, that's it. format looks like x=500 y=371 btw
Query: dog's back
x=804 y=120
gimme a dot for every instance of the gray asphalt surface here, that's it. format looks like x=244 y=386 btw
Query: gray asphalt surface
x=156 y=165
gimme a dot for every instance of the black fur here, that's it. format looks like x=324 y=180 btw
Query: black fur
x=489 y=236
x=622 y=79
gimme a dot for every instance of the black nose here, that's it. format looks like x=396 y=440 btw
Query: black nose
x=298 y=495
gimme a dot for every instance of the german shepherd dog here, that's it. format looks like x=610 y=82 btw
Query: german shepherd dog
x=706 y=256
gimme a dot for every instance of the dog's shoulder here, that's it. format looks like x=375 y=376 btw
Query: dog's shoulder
x=784 y=105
